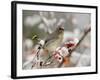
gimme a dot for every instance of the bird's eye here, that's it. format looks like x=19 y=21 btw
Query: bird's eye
x=61 y=28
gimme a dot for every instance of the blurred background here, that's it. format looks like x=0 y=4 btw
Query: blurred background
x=41 y=23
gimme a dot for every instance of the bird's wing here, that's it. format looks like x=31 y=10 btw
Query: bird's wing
x=50 y=39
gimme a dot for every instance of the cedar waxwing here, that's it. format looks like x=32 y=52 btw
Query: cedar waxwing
x=54 y=40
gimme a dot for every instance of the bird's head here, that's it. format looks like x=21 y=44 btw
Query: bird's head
x=60 y=29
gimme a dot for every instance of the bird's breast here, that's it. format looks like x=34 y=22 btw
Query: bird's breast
x=53 y=44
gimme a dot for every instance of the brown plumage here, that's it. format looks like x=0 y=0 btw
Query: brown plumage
x=54 y=39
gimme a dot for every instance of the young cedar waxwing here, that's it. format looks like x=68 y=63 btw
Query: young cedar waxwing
x=54 y=39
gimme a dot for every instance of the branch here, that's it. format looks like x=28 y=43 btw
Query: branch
x=81 y=39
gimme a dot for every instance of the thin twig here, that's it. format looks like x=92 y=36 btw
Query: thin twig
x=37 y=55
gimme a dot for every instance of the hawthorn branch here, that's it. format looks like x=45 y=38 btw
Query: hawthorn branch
x=81 y=39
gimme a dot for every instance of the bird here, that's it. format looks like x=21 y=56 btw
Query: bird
x=54 y=40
